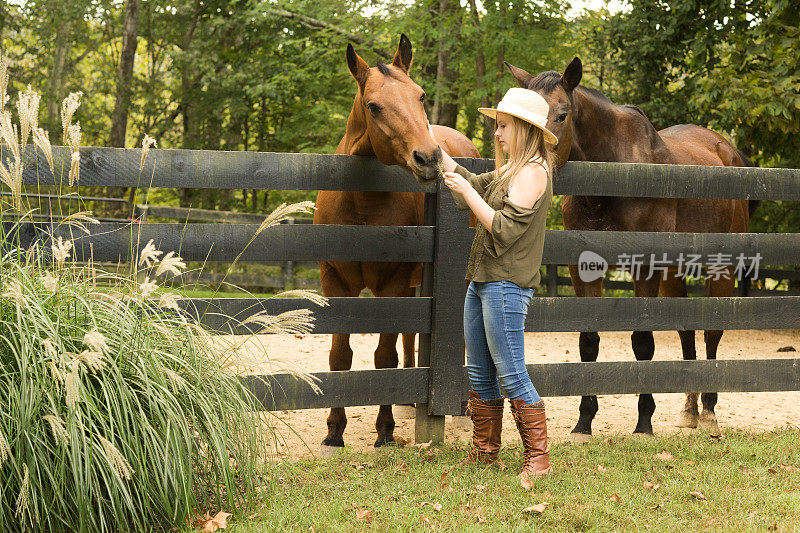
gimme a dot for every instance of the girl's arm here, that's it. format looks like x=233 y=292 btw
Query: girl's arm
x=461 y=186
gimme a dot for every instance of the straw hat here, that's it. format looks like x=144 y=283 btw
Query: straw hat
x=527 y=105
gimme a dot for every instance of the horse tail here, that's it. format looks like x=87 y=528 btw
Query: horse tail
x=752 y=204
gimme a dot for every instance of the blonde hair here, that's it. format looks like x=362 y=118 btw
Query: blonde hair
x=526 y=142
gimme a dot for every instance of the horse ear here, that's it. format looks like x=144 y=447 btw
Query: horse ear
x=402 y=57
x=522 y=76
x=572 y=75
x=358 y=67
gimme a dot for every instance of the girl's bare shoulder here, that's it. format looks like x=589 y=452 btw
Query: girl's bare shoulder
x=528 y=185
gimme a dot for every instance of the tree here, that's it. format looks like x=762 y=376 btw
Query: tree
x=130 y=31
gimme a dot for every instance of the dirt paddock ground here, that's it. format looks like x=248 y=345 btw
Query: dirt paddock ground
x=618 y=413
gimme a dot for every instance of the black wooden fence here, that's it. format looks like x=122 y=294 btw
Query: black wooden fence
x=439 y=385
x=745 y=285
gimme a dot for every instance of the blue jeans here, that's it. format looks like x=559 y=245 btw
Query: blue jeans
x=494 y=327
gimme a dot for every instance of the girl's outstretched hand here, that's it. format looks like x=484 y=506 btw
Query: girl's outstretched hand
x=457 y=183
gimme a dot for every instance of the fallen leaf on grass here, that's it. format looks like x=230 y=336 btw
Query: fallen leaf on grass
x=363 y=514
x=601 y=468
x=538 y=508
x=400 y=441
x=445 y=484
x=773 y=527
x=689 y=463
x=788 y=468
x=615 y=498
x=209 y=525
x=698 y=495
x=651 y=486
x=654 y=507
x=480 y=488
x=436 y=506
x=664 y=456
x=424 y=445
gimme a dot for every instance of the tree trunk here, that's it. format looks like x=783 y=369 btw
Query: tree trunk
x=191 y=136
x=487 y=133
x=55 y=84
x=130 y=34
x=445 y=110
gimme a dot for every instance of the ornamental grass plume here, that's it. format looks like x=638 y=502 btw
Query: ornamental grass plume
x=119 y=414
x=117 y=411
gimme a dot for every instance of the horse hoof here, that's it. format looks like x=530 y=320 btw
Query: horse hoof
x=462 y=422
x=687 y=419
x=708 y=422
x=329 y=452
x=644 y=434
x=580 y=438
x=404 y=412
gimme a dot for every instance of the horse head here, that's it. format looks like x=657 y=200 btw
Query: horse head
x=388 y=117
x=558 y=90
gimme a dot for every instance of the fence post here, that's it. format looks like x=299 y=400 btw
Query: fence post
x=552 y=280
x=446 y=285
x=427 y=427
x=288 y=268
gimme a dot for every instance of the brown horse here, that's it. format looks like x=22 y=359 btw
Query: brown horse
x=592 y=128
x=388 y=121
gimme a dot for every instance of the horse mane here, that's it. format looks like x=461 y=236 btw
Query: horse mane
x=636 y=108
x=385 y=70
x=546 y=81
x=549 y=80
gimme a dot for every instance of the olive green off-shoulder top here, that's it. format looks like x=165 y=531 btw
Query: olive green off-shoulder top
x=511 y=250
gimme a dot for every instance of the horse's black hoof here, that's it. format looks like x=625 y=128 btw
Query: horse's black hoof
x=333 y=443
x=648 y=434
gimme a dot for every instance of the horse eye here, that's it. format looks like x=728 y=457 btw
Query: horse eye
x=561 y=118
x=422 y=98
x=374 y=108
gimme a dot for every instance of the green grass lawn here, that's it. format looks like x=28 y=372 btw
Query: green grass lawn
x=205 y=292
x=750 y=482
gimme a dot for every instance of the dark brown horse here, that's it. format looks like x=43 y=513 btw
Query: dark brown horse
x=388 y=121
x=592 y=128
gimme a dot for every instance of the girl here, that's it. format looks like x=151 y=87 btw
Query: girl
x=510 y=204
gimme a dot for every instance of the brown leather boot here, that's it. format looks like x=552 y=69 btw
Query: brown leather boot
x=532 y=426
x=487 y=425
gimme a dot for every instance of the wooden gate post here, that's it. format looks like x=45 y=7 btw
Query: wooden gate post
x=427 y=427
x=443 y=349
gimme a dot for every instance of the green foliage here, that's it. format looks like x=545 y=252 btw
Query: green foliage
x=116 y=414
x=249 y=75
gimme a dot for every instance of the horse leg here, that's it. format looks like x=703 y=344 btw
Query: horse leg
x=644 y=347
x=386 y=357
x=407 y=411
x=589 y=348
x=673 y=287
x=386 y=354
x=722 y=286
x=340 y=358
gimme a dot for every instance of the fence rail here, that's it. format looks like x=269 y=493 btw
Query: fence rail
x=438 y=386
